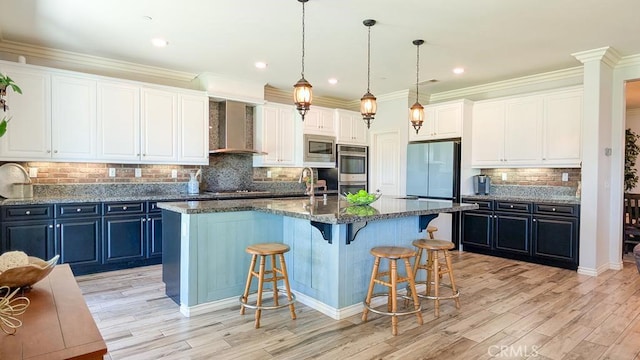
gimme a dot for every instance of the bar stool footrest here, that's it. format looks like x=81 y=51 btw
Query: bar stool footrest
x=409 y=312
x=281 y=294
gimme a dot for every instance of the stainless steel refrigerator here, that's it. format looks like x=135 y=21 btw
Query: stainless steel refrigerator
x=433 y=172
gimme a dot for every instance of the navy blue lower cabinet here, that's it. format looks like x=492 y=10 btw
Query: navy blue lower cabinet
x=35 y=238
x=556 y=239
x=124 y=239
x=80 y=242
x=512 y=232
x=476 y=229
x=154 y=235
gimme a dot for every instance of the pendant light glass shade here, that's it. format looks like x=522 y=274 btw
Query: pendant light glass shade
x=416 y=115
x=368 y=105
x=302 y=94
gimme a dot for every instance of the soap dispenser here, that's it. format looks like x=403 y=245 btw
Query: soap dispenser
x=193 y=186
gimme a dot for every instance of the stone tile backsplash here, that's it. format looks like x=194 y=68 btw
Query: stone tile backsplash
x=534 y=176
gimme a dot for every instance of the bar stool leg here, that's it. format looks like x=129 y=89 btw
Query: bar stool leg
x=292 y=308
x=394 y=300
x=374 y=272
x=260 y=286
x=429 y=272
x=245 y=296
x=447 y=257
x=274 y=279
x=436 y=282
x=414 y=292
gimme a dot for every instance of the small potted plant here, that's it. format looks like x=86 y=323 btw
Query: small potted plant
x=6 y=82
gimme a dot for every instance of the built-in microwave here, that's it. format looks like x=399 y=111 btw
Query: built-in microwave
x=319 y=148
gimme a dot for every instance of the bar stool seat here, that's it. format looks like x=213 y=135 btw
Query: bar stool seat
x=392 y=254
x=435 y=269
x=274 y=274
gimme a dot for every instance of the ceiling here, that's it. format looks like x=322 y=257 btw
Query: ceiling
x=492 y=39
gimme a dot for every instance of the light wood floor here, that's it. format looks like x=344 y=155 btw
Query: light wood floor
x=510 y=309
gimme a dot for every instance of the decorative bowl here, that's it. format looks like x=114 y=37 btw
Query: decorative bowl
x=27 y=275
x=364 y=200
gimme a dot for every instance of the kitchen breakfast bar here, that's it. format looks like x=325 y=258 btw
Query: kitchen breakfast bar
x=205 y=264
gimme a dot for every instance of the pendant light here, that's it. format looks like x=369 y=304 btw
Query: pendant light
x=417 y=111
x=368 y=104
x=302 y=95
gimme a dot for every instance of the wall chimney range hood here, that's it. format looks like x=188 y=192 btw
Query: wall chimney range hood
x=234 y=135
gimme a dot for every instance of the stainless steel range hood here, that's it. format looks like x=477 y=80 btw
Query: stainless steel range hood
x=234 y=135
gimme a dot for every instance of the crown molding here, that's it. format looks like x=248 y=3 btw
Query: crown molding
x=631 y=60
x=509 y=84
x=277 y=95
x=94 y=61
x=607 y=55
x=396 y=95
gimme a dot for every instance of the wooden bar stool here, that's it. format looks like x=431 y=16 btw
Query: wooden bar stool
x=392 y=253
x=431 y=230
x=435 y=269
x=274 y=275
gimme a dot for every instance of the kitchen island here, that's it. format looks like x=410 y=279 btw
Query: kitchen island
x=205 y=264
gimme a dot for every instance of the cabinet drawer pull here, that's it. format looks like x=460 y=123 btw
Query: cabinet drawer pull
x=144 y=219
x=553 y=209
x=78 y=210
x=511 y=206
x=124 y=208
x=50 y=226
x=58 y=226
x=534 y=220
x=27 y=212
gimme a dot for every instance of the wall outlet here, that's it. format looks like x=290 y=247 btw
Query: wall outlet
x=504 y=176
x=268 y=173
x=138 y=172
x=565 y=176
x=174 y=173
x=112 y=172
x=33 y=172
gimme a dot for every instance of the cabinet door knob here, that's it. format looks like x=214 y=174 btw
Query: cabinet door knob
x=553 y=209
x=58 y=226
x=124 y=208
x=27 y=212
x=48 y=151
x=50 y=226
x=534 y=220
x=511 y=206
x=55 y=151
x=78 y=210
x=144 y=219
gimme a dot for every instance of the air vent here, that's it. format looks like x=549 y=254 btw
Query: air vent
x=427 y=82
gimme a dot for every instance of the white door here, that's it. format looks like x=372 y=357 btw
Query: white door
x=28 y=133
x=385 y=163
x=118 y=122
x=73 y=118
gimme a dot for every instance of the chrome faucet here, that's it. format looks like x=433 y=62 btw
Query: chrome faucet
x=310 y=185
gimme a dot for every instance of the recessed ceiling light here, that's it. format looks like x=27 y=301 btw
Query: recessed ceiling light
x=147 y=17
x=261 y=65
x=159 y=42
x=333 y=81
x=458 y=70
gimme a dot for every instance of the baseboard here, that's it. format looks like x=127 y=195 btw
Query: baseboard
x=593 y=272
x=616 y=265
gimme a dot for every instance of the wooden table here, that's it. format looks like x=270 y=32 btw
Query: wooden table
x=57 y=324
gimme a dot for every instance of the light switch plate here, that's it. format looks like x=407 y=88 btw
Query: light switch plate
x=112 y=172
x=268 y=173
x=33 y=172
x=565 y=176
x=174 y=173
x=138 y=172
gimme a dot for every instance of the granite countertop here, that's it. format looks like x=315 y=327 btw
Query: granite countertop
x=37 y=200
x=332 y=210
x=555 y=199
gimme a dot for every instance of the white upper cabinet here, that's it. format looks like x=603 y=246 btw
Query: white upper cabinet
x=319 y=120
x=442 y=121
x=159 y=128
x=28 y=133
x=194 y=129
x=542 y=130
x=118 y=122
x=69 y=116
x=277 y=133
x=351 y=128
x=73 y=118
x=562 y=129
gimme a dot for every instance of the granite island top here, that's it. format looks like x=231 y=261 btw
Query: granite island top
x=556 y=199
x=332 y=210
